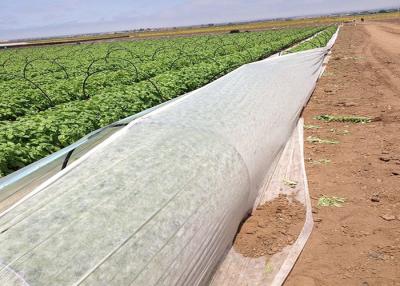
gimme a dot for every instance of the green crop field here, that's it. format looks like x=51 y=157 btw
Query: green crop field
x=52 y=96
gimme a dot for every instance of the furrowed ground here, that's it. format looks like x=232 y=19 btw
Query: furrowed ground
x=358 y=243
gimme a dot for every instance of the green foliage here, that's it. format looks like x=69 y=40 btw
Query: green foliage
x=318 y=41
x=53 y=96
x=340 y=132
x=343 y=118
x=317 y=140
x=311 y=127
x=319 y=161
x=325 y=201
x=322 y=161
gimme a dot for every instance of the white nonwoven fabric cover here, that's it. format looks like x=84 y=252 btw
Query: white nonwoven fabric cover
x=159 y=202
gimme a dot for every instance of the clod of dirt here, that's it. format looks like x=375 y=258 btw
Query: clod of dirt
x=375 y=198
x=388 y=217
x=270 y=228
x=376 y=119
x=376 y=255
x=384 y=159
x=395 y=173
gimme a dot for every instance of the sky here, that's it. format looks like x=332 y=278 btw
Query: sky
x=40 y=18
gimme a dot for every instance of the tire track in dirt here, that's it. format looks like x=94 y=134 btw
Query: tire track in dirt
x=384 y=50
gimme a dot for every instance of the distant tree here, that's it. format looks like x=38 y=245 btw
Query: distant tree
x=234 y=31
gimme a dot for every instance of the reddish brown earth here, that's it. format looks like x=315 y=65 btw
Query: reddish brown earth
x=270 y=228
x=358 y=243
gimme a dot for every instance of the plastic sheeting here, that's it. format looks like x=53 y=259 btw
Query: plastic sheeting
x=18 y=184
x=159 y=202
x=236 y=269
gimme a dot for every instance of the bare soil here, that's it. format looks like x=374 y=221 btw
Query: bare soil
x=358 y=243
x=270 y=228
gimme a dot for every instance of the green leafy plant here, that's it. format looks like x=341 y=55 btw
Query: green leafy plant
x=53 y=96
x=311 y=127
x=340 y=132
x=325 y=201
x=343 y=118
x=318 y=41
x=320 y=161
x=316 y=140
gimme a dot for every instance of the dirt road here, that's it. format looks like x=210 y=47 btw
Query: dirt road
x=358 y=243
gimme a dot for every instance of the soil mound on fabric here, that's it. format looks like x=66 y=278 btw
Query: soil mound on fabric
x=270 y=228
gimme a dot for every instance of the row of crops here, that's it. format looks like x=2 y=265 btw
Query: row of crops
x=319 y=40
x=52 y=96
